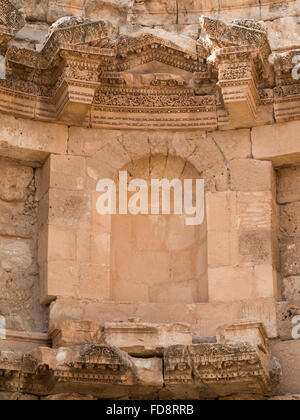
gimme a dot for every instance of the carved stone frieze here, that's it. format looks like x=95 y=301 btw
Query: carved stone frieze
x=11 y=21
x=223 y=368
x=114 y=366
x=240 y=53
x=287 y=91
x=86 y=73
x=47 y=371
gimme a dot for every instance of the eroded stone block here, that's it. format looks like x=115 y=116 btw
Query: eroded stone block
x=146 y=339
x=71 y=333
x=244 y=331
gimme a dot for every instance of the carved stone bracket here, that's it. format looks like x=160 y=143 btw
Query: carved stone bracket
x=239 y=53
x=46 y=371
x=287 y=91
x=224 y=369
x=11 y=21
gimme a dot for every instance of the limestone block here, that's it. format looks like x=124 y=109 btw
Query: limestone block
x=68 y=208
x=204 y=318
x=255 y=246
x=235 y=144
x=244 y=331
x=256 y=211
x=67 y=172
x=248 y=175
x=33 y=135
x=229 y=284
x=223 y=249
x=88 y=141
x=93 y=282
x=14 y=223
x=52 y=284
x=288 y=355
x=286 y=25
x=140 y=339
x=15 y=254
x=61 y=243
x=60 y=8
x=14 y=181
x=290 y=219
x=286 y=311
x=71 y=333
x=290 y=256
x=222 y=225
x=277 y=142
x=288 y=185
x=263 y=310
x=266 y=281
x=291 y=288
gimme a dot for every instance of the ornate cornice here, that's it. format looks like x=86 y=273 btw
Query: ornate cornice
x=87 y=74
x=101 y=369
x=11 y=21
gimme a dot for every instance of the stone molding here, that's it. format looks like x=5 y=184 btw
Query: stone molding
x=88 y=75
x=212 y=370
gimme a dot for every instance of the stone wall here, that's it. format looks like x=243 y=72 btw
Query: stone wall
x=19 y=272
x=289 y=202
x=75 y=118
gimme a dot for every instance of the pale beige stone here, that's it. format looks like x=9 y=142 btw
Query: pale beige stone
x=278 y=142
x=14 y=181
x=291 y=288
x=70 y=333
x=288 y=355
x=245 y=331
x=228 y=284
x=288 y=185
x=249 y=175
x=234 y=144
x=141 y=339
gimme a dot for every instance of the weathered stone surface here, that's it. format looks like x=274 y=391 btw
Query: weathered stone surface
x=249 y=175
x=288 y=397
x=286 y=312
x=69 y=397
x=290 y=219
x=245 y=331
x=71 y=333
x=288 y=355
x=203 y=318
x=291 y=288
x=14 y=181
x=277 y=142
x=15 y=396
x=289 y=185
x=290 y=253
x=19 y=274
x=205 y=364
x=101 y=370
x=139 y=339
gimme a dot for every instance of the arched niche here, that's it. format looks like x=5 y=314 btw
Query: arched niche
x=158 y=258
